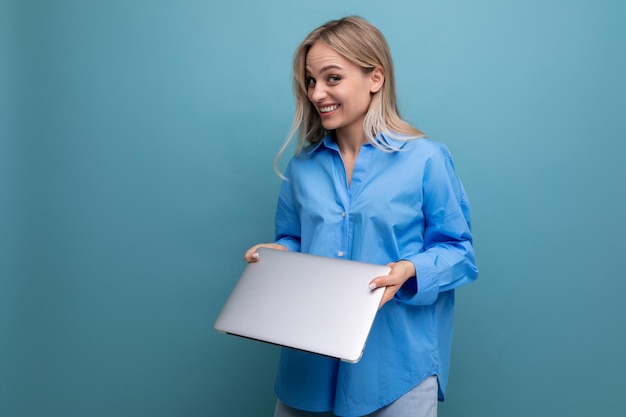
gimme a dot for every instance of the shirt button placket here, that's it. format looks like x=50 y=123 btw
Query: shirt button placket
x=340 y=253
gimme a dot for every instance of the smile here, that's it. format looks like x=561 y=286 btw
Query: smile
x=327 y=109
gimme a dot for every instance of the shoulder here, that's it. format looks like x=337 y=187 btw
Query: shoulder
x=308 y=154
x=424 y=150
x=306 y=162
x=427 y=146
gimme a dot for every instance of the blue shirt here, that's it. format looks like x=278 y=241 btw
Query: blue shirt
x=406 y=204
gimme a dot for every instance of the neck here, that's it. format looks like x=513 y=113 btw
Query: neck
x=350 y=142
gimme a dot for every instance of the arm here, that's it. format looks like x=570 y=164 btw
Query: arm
x=287 y=225
x=287 y=219
x=447 y=260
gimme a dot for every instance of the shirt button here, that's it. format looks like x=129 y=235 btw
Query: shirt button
x=343 y=214
x=340 y=253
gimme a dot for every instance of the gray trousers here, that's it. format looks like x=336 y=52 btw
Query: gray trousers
x=421 y=401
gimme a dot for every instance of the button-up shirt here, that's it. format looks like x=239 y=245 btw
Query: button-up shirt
x=405 y=202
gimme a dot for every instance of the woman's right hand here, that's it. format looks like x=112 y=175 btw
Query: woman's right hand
x=251 y=254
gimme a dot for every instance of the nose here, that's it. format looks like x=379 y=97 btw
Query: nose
x=317 y=92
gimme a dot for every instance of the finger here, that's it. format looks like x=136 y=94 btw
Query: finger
x=376 y=283
x=386 y=297
x=251 y=255
x=383 y=281
x=389 y=294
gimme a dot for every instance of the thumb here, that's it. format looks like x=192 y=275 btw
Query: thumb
x=378 y=282
x=381 y=281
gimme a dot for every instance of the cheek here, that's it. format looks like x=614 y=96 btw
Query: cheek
x=361 y=94
x=364 y=99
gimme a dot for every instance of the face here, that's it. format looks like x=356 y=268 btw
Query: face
x=339 y=89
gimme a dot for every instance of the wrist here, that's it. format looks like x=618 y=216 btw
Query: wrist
x=408 y=268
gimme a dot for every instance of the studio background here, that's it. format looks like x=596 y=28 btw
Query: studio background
x=137 y=140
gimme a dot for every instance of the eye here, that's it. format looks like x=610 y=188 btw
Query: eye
x=310 y=82
x=334 y=78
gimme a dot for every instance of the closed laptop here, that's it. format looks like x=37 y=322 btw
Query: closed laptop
x=317 y=304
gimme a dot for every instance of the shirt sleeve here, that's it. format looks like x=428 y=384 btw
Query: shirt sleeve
x=448 y=259
x=287 y=220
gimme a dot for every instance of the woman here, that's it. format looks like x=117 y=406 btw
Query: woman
x=367 y=186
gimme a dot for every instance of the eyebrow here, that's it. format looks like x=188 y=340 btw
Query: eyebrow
x=329 y=67
x=326 y=68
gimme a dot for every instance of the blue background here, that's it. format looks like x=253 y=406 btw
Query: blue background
x=136 y=168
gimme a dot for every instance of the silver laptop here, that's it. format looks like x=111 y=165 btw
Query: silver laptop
x=306 y=302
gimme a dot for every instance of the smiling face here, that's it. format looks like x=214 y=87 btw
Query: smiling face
x=340 y=90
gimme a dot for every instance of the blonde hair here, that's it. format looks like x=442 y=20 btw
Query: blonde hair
x=363 y=44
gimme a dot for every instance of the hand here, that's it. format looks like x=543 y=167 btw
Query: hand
x=400 y=272
x=252 y=256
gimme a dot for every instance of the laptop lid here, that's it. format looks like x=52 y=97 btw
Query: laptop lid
x=312 y=303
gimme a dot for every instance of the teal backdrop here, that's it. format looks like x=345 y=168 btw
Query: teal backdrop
x=137 y=140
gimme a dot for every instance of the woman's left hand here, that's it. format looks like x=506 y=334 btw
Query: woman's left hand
x=400 y=272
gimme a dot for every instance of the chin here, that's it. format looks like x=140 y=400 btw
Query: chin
x=329 y=126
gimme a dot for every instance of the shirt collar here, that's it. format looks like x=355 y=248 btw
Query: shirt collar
x=329 y=142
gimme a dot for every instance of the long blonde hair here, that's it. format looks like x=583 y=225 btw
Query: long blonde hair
x=363 y=44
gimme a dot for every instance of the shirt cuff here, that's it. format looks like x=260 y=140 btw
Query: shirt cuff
x=422 y=289
x=290 y=243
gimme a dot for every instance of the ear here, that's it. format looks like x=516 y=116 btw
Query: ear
x=377 y=79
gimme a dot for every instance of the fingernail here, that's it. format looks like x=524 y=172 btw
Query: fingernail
x=255 y=255
x=372 y=286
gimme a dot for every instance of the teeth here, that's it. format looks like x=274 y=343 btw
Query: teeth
x=326 y=109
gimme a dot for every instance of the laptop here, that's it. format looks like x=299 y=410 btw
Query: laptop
x=312 y=303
